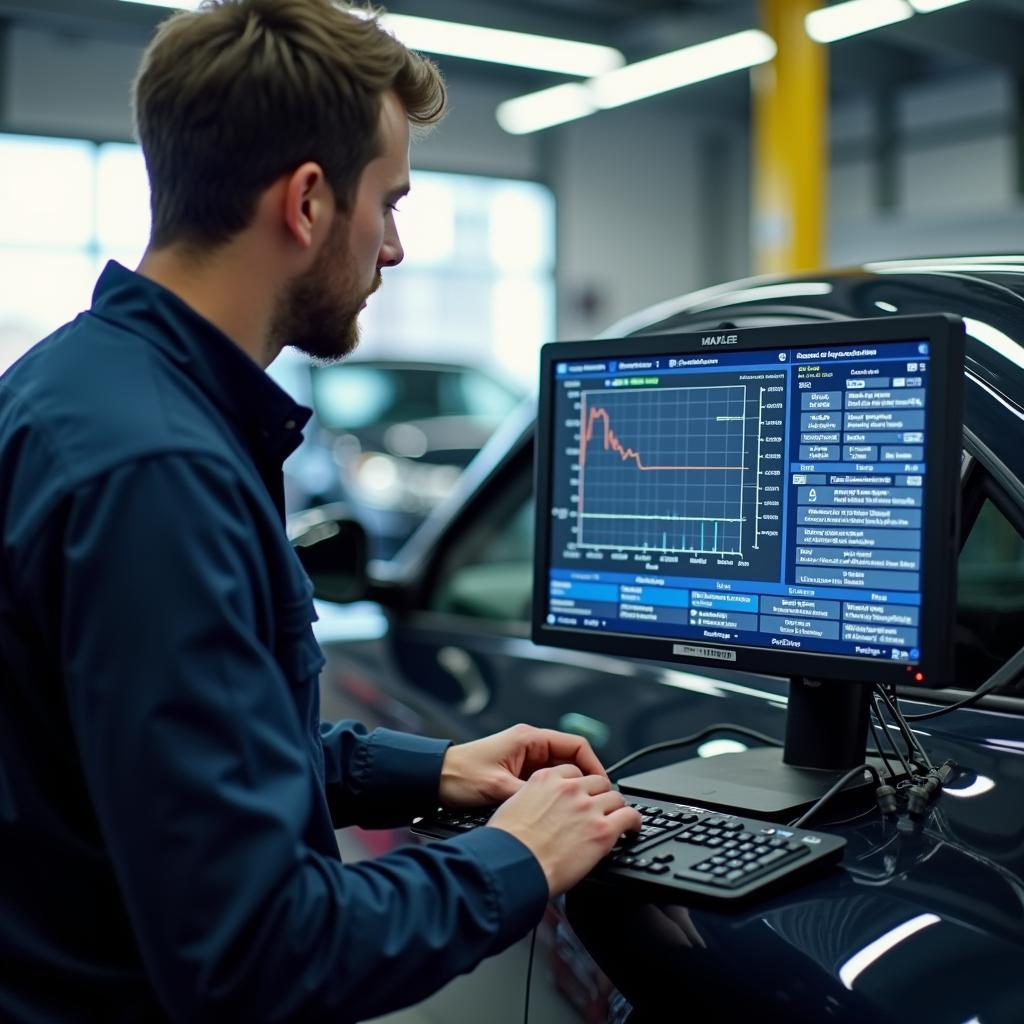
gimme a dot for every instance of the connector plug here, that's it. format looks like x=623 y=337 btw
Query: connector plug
x=886 y=796
x=918 y=798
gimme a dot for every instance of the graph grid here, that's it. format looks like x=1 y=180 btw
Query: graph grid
x=661 y=470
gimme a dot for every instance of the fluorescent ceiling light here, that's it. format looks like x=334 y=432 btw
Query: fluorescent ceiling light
x=498 y=46
x=537 y=110
x=828 y=24
x=927 y=6
x=683 y=67
x=473 y=42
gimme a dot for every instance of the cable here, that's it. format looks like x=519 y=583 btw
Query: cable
x=835 y=788
x=908 y=733
x=529 y=973
x=1007 y=673
x=885 y=729
x=695 y=738
x=878 y=745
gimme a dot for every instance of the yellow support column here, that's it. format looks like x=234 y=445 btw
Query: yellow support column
x=790 y=151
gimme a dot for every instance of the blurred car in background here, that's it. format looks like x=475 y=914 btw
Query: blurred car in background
x=390 y=438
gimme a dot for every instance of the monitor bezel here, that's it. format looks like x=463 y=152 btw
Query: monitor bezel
x=943 y=445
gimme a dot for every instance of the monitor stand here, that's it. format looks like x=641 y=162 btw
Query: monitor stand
x=826 y=736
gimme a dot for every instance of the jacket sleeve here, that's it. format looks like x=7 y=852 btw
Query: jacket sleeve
x=192 y=753
x=379 y=779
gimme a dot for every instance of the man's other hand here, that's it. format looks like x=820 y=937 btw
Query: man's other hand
x=490 y=770
x=568 y=820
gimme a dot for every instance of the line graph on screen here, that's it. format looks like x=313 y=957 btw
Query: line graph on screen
x=661 y=470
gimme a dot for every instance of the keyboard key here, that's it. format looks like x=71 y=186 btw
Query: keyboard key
x=773 y=857
x=658 y=869
x=689 y=837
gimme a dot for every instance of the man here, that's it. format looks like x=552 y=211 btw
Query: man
x=167 y=792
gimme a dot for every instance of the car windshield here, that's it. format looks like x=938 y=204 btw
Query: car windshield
x=348 y=397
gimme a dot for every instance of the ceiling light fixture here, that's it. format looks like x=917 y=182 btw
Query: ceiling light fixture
x=664 y=73
x=499 y=46
x=684 y=67
x=538 y=110
x=927 y=6
x=492 y=45
x=827 y=24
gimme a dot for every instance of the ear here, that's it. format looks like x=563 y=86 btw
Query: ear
x=308 y=205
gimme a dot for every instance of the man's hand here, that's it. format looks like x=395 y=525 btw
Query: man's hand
x=568 y=820
x=490 y=770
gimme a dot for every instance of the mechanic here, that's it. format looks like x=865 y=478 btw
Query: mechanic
x=168 y=794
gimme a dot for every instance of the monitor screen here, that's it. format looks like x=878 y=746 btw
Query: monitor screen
x=781 y=500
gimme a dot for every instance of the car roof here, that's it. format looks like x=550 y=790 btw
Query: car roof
x=988 y=291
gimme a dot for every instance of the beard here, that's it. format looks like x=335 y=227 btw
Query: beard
x=317 y=314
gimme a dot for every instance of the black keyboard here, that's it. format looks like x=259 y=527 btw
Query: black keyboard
x=691 y=854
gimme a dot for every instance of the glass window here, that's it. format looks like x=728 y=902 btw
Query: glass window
x=476 y=394
x=122 y=202
x=96 y=208
x=478 y=283
x=488 y=572
x=349 y=397
x=990 y=597
x=46 y=191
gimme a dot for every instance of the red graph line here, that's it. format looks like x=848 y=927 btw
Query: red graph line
x=612 y=443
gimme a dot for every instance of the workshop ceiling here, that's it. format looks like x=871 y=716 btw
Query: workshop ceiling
x=971 y=35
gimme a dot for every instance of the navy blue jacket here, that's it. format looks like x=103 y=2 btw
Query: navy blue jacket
x=167 y=792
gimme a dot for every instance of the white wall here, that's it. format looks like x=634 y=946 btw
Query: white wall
x=955 y=174
x=61 y=84
x=633 y=191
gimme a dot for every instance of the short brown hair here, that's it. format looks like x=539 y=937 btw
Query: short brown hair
x=231 y=96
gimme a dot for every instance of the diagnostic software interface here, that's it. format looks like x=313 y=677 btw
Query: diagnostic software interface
x=768 y=498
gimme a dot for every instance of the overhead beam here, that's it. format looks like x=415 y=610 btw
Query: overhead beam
x=868 y=64
x=106 y=17
x=986 y=37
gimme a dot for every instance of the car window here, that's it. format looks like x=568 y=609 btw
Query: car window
x=350 y=397
x=488 y=572
x=475 y=394
x=990 y=596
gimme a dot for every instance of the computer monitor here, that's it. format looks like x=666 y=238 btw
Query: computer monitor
x=777 y=500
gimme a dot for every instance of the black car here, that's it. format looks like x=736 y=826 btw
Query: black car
x=920 y=923
x=390 y=437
